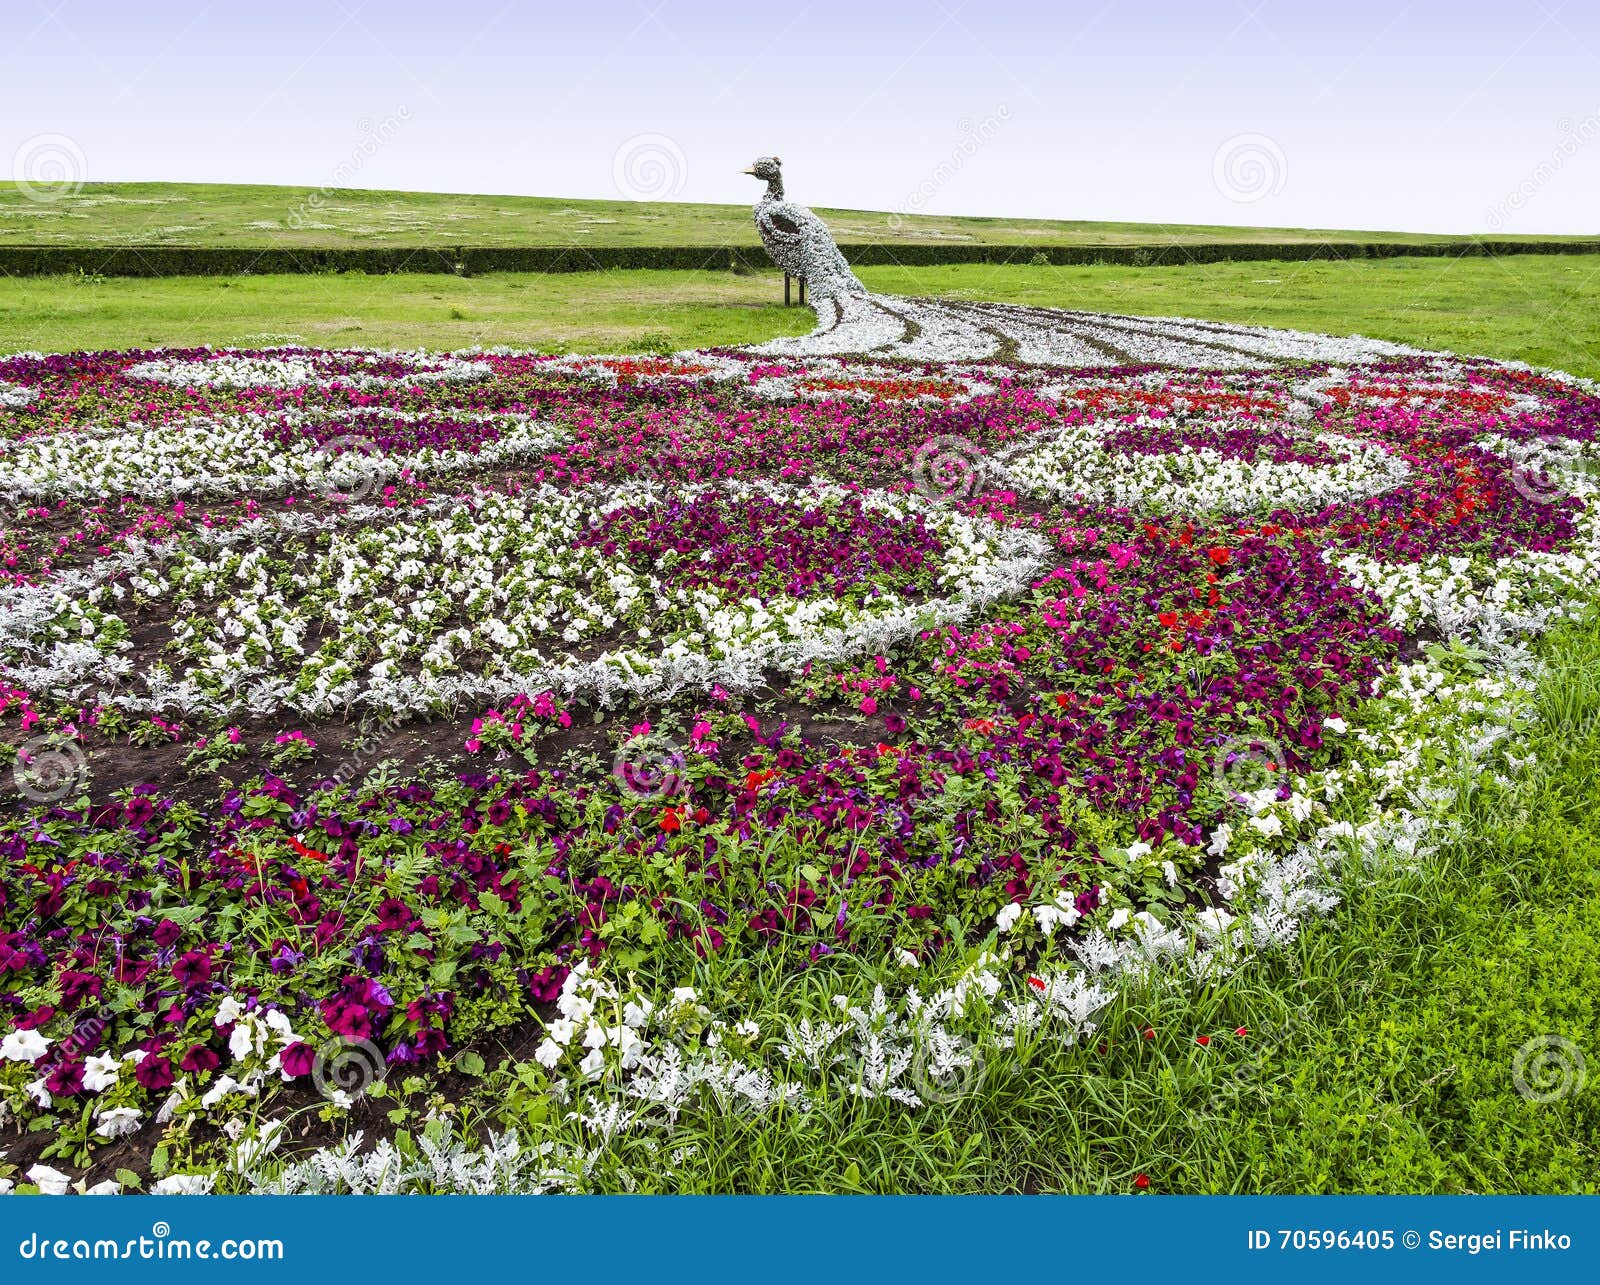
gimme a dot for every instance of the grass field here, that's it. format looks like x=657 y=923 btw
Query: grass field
x=1531 y=308
x=229 y=215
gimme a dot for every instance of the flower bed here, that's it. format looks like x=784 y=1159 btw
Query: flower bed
x=717 y=655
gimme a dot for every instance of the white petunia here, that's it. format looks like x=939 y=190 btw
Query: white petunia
x=51 y=1182
x=117 y=1122
x=23 y=1046
x=100 y=1072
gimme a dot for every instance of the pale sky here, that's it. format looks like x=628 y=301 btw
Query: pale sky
x=1467 y=117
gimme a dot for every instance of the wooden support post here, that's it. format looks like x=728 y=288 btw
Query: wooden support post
x=785 y=289
x=802 y=292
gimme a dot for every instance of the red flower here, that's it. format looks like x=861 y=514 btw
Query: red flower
x=1202 y=1040
x=1142 y=1182
x=1149 y=1032
x=154 y=1073
x=671 y=820
x=1220 y=555
x=1036 y=983
x=199 y=1059
x=1242 y=1031
x=297 y=1059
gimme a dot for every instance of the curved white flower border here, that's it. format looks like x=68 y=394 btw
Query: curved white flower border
x=15 y=396
x=232 y=453
x=984 y=562
x=233 y=368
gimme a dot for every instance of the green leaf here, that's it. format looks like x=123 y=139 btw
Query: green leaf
x=470 y=1063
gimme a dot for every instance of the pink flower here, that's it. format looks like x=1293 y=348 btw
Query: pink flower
x=869 y=706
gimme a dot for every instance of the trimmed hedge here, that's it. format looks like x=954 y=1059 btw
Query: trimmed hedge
x=183 y=261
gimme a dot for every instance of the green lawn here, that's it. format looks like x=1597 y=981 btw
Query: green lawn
x=213 y=214
x=1534 y=308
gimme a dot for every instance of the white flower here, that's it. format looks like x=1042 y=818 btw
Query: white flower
x=1008 y=916
x=548 y=1054
x=51 y=1182
x=1269 y=824
x=241 y=1043
x=1119 y=917
x=35 y=1089
x=185 y=1184
x=110 y=1187
x=23 y=1046
x=100 y=1072
x=222 y=1088
x=117 y=1122
x=1336 y=725
x=907 y=959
